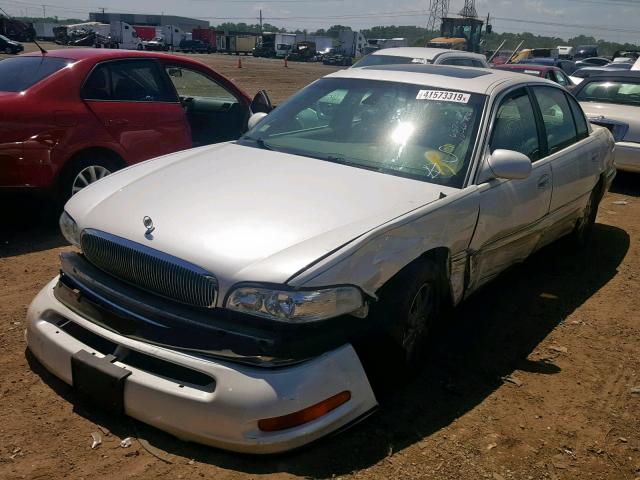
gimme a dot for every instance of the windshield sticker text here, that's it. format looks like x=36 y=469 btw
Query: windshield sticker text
x=443 y=96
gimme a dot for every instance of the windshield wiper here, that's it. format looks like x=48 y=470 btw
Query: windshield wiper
x=260 y=142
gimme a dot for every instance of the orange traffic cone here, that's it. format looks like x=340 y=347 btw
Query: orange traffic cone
x=285 y=61
x=239 y=62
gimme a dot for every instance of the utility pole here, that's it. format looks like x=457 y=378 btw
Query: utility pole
x=438 y=9
x=260 y=20
x=44 y=11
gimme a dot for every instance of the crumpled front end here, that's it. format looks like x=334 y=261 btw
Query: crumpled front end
x=208 y=400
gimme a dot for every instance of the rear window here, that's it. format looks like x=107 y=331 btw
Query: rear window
x=19 y=73
x=375 y=60
x=626 y=93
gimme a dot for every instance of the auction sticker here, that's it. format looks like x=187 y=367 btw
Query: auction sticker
x=443 y=96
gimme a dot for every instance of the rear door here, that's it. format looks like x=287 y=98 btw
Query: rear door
x=214 y=111
x=574 y=161
x=135 y=102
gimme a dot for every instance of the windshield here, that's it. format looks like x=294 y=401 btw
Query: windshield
x=374 y=60
x=19 y=73
x=426 y=133
x=625 y=93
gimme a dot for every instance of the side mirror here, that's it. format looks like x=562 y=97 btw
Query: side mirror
x=509 y=164
x=255 y=119
x=261 y=103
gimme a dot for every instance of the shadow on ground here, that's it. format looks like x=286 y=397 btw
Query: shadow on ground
x=488 y=337
x=28 y=223
x=626 y=183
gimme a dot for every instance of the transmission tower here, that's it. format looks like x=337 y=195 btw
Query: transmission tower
x=438 y=9
x=469 y=9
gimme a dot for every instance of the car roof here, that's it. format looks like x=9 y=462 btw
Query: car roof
x=526 y=66
x=468 y=79
x=427 y=53
x=102 y=54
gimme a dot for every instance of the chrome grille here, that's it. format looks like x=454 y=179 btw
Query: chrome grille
x=150 y=269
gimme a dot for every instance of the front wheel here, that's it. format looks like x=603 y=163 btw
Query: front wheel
x=413 y=301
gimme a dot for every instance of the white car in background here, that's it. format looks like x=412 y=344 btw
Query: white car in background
x=422 y=55
x=220 y=293
x=612 y=99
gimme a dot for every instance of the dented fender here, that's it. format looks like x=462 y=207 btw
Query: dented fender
x=372 y=259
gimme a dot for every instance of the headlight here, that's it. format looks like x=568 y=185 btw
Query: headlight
x=297 y=306
x=69 y=229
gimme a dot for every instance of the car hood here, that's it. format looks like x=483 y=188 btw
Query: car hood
x=247 y=214
x=622 y=113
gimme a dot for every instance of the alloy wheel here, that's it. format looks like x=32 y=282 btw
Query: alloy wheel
x=87 y=176
x=418 y=318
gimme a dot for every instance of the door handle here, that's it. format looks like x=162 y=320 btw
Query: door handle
x=543 y=181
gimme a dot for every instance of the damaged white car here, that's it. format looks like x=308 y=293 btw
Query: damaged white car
x=220 y=293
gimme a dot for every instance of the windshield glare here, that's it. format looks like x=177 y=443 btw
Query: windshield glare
x=626 y=93
x=426 y=133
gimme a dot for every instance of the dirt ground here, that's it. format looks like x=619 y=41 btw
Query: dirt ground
x=531 y=378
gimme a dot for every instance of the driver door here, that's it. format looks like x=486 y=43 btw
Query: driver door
x=511 y=211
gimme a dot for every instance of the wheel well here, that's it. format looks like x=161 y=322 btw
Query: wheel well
x=439 y=255
x=95 y=151
x=600 y=186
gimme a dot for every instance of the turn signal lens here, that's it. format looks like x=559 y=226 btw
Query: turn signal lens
x=304 y=416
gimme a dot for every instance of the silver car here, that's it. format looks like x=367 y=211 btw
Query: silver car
x=217 y=293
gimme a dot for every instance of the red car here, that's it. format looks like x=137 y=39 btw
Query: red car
x=552 y=73
x=70 y=117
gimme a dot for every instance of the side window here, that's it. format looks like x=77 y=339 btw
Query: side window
x=515 y=126
x=557 y=117
x=190 y=83
x=578 y=115
x=97 y=86
x=139 y=81
x=560 y=78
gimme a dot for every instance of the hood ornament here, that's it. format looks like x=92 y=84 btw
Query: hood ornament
x=148 y=224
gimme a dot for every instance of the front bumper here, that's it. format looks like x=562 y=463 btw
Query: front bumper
x=628 y=156
x=223 y=412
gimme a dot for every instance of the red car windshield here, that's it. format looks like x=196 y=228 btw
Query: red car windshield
x=19 y=73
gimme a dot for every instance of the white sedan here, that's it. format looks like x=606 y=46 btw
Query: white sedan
x=220 y=293
x=612 y=99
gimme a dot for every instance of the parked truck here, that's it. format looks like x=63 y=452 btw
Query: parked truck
x=44 y=30
x=172 y=36
x=351 y=46
x=121 y=35
x=146 y=33
x=206 y=35
x=271 y=44
x=240 y=44
x=16 y=30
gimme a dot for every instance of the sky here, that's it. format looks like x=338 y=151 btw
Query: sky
x=614 y=20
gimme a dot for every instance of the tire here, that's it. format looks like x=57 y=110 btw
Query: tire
x=584 y=226
x=413 y=299
x=8 y=51
x=83 y=171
